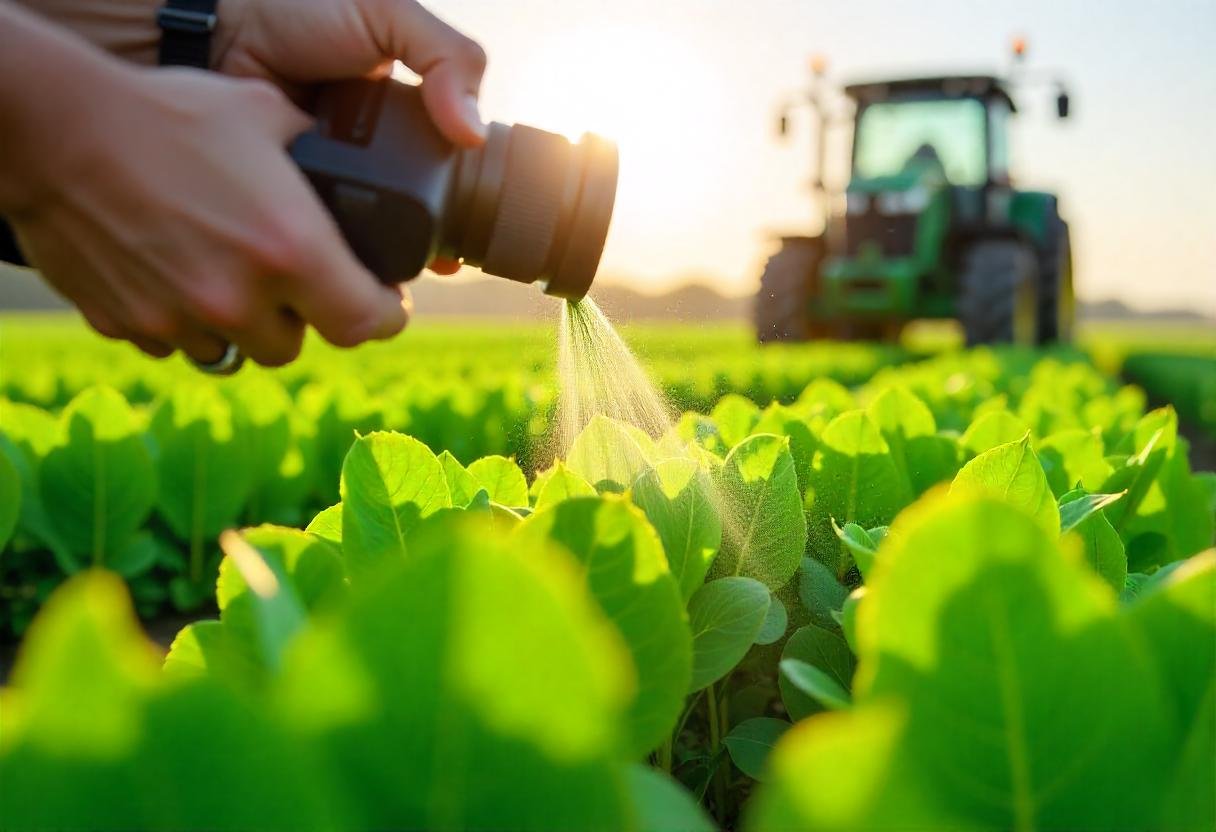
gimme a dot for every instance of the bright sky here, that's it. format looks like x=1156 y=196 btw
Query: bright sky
x=690 y=88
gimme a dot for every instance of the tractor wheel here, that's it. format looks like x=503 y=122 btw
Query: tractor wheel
x=1057 y=304
x=997 y=301
x=780 y=311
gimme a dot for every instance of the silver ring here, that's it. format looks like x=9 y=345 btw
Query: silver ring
x=225 y=365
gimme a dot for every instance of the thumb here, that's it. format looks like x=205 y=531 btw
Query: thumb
x=451 y=66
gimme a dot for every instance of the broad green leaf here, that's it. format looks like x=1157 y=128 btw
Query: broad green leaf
x=751 y=741
x=203 y=467
x=776 y=621
x=261 y=410
x=138 y=555
x=725 y=617
x=1074 y=457
x=823 y=400
x=337 y=411
x=847 y=617
x=819 y=591
x=922 y=458
x=1002 y=654
x=841 y=770
x=10 y=497
x=999 y=427
x=678 y=499
x=1177 y=618
x=700 y=430
x=327 y=525
x=763 y=528
x=627 y=575
x=1103 y=550
x=735 y=417
x=99 y=480
x=389 y=483
x=562 y=484
x=27 y=434
x=1154 y=439
x=455 y=685
x=822 y=648
x=785 y=421
x=815 y=683
x=607 y=453
x=662 y=804
x=853 y=480
x=95 y=718
x=461 y=485
x=859 y=544
x=1077 y=506
x=502 y=480
x=1012 y=473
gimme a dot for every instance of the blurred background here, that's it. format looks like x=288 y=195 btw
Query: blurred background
x=691 y=89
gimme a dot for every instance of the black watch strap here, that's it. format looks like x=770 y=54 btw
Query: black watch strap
x=186 y=27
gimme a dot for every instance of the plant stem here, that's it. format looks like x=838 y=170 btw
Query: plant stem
x=665 y=755
x=715 y=741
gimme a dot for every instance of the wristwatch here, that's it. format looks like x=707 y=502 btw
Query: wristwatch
x=186 y=27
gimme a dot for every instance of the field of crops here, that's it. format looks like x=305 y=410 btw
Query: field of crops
x=850 y=587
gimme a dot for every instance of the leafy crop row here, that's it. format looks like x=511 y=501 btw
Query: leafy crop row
x=962 y=597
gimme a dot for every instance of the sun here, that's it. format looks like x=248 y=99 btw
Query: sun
x=652 y=92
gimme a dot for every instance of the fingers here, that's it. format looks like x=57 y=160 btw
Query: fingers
x=275 y=341
x=451 y=66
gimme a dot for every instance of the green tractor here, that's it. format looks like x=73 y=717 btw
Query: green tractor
x=929 y=226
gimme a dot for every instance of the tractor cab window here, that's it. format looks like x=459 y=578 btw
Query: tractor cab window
x=893 y=136
x=998 y=140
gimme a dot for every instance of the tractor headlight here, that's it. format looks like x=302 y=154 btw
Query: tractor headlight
x=911 y=201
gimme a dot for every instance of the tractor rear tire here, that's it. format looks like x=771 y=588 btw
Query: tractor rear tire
x=782 y=304
x=1057 y=304
x=998 y=298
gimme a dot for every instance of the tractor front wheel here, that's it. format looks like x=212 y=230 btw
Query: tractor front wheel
x=782 y=304
x=998 y=301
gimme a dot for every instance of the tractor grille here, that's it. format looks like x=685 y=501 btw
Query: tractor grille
x=895 y=236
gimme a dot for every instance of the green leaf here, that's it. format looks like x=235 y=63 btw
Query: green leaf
x=138 y=555
x=389 y=483
x=775 y=622
x=1074 y=457
x=1077 y=506
x=785 y=421
x=735 y=416
x=1002 y=654
x=607 y=453
x=502 y=480
x=1177 y=618
x=100 y=478
x=725 y=616
x=853 y=480
x=203 y=466
x=662 y=804
x=28 y=435
x=820 y=593
x=922 y=458
x=461 y=485
x=327 y=525
x=819 y=647
x=1011 y=472
x=1103 y=549
x=677 y=497
x=764 y=531
x=859 y=544
x=627 y=575
x=816 y=683
x=504 y=665
x=560 y=485
x=995 y=428
x=751 y=741
x=10 y=496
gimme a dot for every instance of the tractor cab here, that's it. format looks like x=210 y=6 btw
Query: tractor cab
x=929 y=224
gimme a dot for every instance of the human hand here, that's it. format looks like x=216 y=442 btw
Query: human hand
x=166 y=209
x=297 y=43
